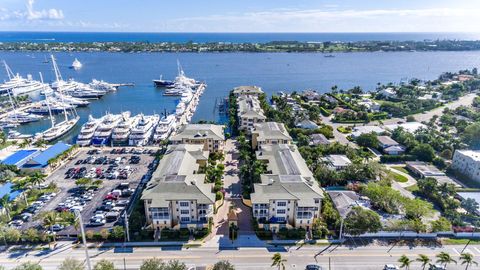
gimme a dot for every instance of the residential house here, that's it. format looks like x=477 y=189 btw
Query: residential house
x=247 y=90
x=177 y=195
x=318 y=139
x=388 y=93
x=270 y=133
x=212 y=137
x=389 y=146
x=306 y=124
x=336 y=162
x=288 y=195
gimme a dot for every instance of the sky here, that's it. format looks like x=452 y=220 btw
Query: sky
x=241 y=16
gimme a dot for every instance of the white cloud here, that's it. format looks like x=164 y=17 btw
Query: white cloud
x=51 y=14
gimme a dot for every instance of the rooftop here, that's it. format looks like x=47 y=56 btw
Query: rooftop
x=20 y=157
x=424 y=168
x=177 y=177
x=475 y=155
x=249 y=106
x=316 y=139
x=271 y=130
x=284 y=159
x=247 y=90
x=337 y=160
x=386 y=140
x=359 y=130
x=199 y=131
x=41 y=160
x=409 y=126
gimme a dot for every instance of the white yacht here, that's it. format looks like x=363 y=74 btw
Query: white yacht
x=180 y=109
x=142 y=133
x=103 y=86
x=165 y=127
x=77 y=102
x=59 y=129
x=21 y=117
x=86 y=133
x=18 y=85
x=103 y=134
x=50 y=105
x=122 y=131
x=15 y=135
x=76 y=65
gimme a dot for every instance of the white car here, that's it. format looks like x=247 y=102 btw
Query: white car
x=76 y=208
x=97 y=222
x=57 y=227
x=390 y=267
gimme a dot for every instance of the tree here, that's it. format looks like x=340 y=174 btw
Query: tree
x=28 y=266
x=467 y=259
x=71 y=264
x=417 y=208
x=49 y=219
x=36 y=178
x=445 y=258
x=360 y=221
x=424 y=152
x=411 y=118
x=278 y=261
x=404 y=262
x=223 y=265
x=152 y=264
x=5 y=204
x=470 y=135
x=104 y=265
x=441 y=225
x=470 y=205
x=368 y=140
x=424 y=260
x=174 y=265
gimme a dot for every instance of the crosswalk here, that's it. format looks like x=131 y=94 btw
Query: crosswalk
x=469 y=249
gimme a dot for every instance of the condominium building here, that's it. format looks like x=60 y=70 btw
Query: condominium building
x=247 y=90
x=288 y=195
x=177 y=195
x=270 y=133
x=467 y=163
x=212 y=137
x=249 y=112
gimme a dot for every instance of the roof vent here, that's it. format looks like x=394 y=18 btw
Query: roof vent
x=193 y=182
x=271 y=181
x=197 y=135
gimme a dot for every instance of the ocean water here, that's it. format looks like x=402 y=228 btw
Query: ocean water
x=224 y=37
x=222 y=71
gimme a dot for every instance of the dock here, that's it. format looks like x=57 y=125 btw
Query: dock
x=192 y=106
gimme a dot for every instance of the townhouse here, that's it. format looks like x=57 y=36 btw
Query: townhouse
x=467 y=163
x=249 y=112
x=212 y=137
x=269 y=133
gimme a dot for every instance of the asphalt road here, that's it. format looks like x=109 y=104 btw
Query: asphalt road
x=343 y=257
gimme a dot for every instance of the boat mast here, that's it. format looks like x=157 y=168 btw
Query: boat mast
x=46 y=100
x=58 y=76
x=9 y=71
x=13 y=106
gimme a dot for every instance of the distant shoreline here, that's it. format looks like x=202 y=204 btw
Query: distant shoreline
x=274 y=46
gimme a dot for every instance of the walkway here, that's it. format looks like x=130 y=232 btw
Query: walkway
x=233 y=198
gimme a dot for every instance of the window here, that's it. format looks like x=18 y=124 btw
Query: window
x=160 y=213
x=184 y=204
x=281 y=211
x=185 y=219
x=184 y=212
x=282 y=204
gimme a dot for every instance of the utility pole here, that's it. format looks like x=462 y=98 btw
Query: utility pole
x=127 y=233
x=87 y=257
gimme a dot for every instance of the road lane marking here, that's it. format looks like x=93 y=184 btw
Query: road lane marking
x=456 y=251
x=476 y=249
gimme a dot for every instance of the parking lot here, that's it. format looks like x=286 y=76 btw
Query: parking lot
x=120 y=171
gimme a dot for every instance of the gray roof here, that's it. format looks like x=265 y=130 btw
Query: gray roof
x=289 y=177
x=199 y=131
x=343 y=200
x=307 y=124
x=316 y=139
x=337 y=160
x=176 y=177
x=386 y=140
x=247 y=90
x=249 y=106
x=271 y=130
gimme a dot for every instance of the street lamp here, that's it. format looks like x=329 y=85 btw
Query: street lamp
x=84 y=240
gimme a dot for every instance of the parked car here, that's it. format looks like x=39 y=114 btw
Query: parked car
x=313 y=267
x=390 y=267
x=57 y=227
x=436 y=267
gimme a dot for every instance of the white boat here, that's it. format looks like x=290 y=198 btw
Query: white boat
x=102 y=85
x=50 y=105
x=103 y=134
x=15 y=135
x=76 y=65
x=122 y=131
x=18 y=85
x=58 y=129
x=180 y=109
x=86 y=132
x=77 y=102
x=21 y=117
x=165 y=127
x=142 y=133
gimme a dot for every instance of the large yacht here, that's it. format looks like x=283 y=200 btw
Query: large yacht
x=103 y=86
x=142 y=133
x=165 y=127
x=77 y=102
x=162 y=83
x=21 y=117
x=59 y=129
x=122 y=131
x=18 y=85
x=76 y=65
x=86 y=133
x=51 y=105
x=103 y=134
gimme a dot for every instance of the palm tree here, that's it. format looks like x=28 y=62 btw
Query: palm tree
x=445 y=258
x=424 y=260
x=223 y=265
x=49 y=219
x=278 y=261
x=5 y=204
x=467 y=259
x=36 y=178
x=405 y=261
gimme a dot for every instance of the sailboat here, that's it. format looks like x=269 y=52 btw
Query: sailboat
x=59 y=129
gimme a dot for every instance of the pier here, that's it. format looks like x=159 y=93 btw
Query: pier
x=192 y=106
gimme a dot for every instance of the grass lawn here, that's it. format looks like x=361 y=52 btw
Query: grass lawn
x=412 y=188
x=398 y=177
x=401 y=169
x=344 y=130
x=450 y=241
